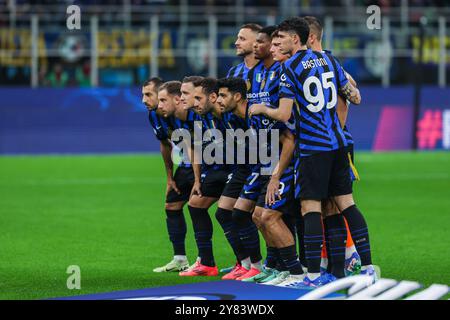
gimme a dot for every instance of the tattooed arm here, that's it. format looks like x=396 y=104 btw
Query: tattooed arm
x=351 y=93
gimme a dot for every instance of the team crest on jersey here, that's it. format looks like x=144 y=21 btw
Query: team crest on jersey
x=272 y=75
x=258 y=77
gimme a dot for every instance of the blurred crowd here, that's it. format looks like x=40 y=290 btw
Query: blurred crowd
x=56 y=71
x=269 y=3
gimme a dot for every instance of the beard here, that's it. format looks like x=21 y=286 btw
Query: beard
x=244 y=53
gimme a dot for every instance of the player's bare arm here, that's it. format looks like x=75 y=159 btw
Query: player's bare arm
x=166 y=152
x=197 y=168
x=342 y=106
x=288 y=142
x=350 y=78
x=351 y=93
x=282 y=113
x=342 y=111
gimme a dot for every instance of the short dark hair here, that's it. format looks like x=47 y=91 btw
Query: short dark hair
x=173 y=88
x=315 y=26
x=252 y=26
x=275 y=33
x=234 y=85
x=209 y=85
x=269 y=30
x=192 y=79
x=298 y=25
x=157 y=81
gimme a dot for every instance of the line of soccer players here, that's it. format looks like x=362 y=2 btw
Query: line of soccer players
x=288 y=83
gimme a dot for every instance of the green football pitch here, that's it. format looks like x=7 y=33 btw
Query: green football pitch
x=105 y=214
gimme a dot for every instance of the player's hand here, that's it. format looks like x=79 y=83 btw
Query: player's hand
x=171 y=185
x=196 y=189
x=256 y=109
x=273 y=191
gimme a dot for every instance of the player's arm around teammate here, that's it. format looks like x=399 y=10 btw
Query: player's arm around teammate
x=282 y=113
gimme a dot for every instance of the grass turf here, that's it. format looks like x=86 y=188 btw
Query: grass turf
x=106 y=215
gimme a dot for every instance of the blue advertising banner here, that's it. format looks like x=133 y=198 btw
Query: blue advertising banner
x=106 y=120
x=216 y=290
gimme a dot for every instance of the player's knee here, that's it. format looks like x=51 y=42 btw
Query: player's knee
x=226 y=203
x=268 y=218
x=329 y=208
x=256 y=217
x=174 y=205
x=196 y=202
x=244 y=205
x=311 y=206
x=344 y=202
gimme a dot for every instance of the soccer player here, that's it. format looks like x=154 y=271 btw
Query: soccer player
x=276 y=217
x=178 y=185
x=338 y=261
x=312 y=80
x=251 y=71
x=235 y=204
x=271 y=274
x=244 y=48
x=187 y=92
x=320 y=142
x=210 y=178
x=267 y=93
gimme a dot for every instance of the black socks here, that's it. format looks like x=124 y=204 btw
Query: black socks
x=203 y=230
x=176 y=227
x=360 y=234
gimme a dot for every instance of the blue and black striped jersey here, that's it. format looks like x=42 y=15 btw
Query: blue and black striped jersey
x=269 y=86
x=232 y=121
x=159 y=125
x=312 y=79
x=252 y=76
x=174 y=123
x=210 y=122
x=268 y=94
x=348 y=135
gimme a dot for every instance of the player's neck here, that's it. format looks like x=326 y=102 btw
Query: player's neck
x=216 y=111
x=299 y=47
x=268 y=62
x=250 y=61
x=181 y=114
x=317 y=47
x=241 y=109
